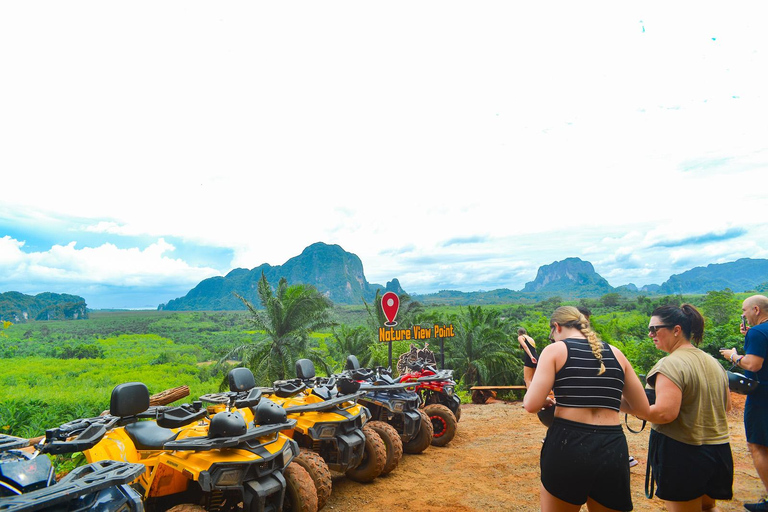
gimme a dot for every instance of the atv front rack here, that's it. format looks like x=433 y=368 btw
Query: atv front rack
x=79 y=482
x=199 y=444
x=325 y=405
x=12 y=442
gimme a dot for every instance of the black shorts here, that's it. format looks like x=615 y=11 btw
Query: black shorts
x=581 y=461
x=685 y=472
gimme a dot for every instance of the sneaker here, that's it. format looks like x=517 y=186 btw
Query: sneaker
x=760 y=506
x=632 y=461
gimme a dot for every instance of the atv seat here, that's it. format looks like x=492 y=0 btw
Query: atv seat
x=147 y=435
x=352 y=363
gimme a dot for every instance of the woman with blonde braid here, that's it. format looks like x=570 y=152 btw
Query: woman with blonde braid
x=584 y=458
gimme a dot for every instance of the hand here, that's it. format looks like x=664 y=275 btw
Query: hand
x=727 y=353
x=533 y=360
x=742 y=329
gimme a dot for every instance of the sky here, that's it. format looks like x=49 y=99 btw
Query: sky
x=146 y=146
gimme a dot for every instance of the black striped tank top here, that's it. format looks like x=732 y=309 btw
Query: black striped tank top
x=577 y=384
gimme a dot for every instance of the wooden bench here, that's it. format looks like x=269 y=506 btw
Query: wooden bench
x=481 y=394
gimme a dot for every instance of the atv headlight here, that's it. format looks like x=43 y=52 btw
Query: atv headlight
x=398 y=405
x=230 y=477
x=365 y=415
x=448 y=390
x=287 y=455
x=327 y=432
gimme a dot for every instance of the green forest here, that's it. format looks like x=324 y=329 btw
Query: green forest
x=56 y=371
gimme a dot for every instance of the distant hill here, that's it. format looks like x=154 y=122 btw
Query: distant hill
x=330 y=269
x=740 y=276
x=567 y=277
x=18 y=308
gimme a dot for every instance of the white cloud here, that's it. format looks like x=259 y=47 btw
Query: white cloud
x=64 y=266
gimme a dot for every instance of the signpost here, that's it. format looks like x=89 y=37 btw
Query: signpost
x=390 y=304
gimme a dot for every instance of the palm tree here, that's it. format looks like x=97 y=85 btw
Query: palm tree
x=480 y=351
x=354 y=341
x=290 y=314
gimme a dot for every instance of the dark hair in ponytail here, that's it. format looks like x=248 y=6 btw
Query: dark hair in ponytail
x=687 y=317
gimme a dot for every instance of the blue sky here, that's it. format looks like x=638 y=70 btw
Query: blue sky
x=145 y=147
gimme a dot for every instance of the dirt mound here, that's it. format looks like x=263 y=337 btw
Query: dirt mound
x=493 y=465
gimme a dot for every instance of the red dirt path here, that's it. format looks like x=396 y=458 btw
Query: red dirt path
x=493 y=465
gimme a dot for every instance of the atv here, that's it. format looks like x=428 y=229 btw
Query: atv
x=442 y=405
x=393 y=406
x=329 y=424
x=194 y=460
x=28 y=482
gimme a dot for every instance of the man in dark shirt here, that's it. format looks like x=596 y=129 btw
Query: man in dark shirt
x=755 y=311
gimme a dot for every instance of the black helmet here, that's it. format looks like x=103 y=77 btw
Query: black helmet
x=547 y=416
x=227 y=424
x=348 y=386
x=738 y=383
x=268 y=412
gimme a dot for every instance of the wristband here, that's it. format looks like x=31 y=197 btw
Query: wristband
x=738 y=361
x=733 y=354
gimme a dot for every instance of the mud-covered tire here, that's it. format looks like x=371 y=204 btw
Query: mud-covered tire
x=392 y=443
x=186 y=507
x=423 y=438
x=300 y=493
x=319 y=472
x=374 y=458
x=443 y=424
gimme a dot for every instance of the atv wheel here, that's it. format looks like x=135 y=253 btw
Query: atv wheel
x=443 y=423
x=392 y=443
x=319 y=472
x=300 y=493
x=186 y=507
x=423 y=437
x=374 y=458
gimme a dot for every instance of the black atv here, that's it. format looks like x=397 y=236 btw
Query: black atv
x=28 y=483
x=393 y=404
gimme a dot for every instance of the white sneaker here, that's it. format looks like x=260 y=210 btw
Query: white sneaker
x=632 y=461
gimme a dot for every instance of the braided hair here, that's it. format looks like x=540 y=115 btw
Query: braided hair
x=569 y=316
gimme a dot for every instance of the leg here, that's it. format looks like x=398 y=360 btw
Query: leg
x=528 y=375
x=709 y=504
x=594 y=506
x=696 y=505
x=551 y=504
x=760 y=459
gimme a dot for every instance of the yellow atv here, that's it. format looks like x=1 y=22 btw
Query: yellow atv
x=330 y=427
x=197 y=461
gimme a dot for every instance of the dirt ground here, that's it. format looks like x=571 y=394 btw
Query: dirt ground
x=493 y=465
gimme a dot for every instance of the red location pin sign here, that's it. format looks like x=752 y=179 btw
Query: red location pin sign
x=390 y=303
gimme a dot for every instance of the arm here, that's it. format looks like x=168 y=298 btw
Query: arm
x=668 y=400
x=544 y=378
x=633 y=398
x=749 y=362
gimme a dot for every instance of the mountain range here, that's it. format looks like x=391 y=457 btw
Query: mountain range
x=338 y=275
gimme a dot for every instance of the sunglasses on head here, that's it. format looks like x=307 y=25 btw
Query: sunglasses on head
x=654 y=328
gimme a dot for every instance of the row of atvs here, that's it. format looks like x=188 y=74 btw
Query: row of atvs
x=250 y=448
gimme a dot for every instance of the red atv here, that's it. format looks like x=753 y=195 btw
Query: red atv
x=436 y=388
